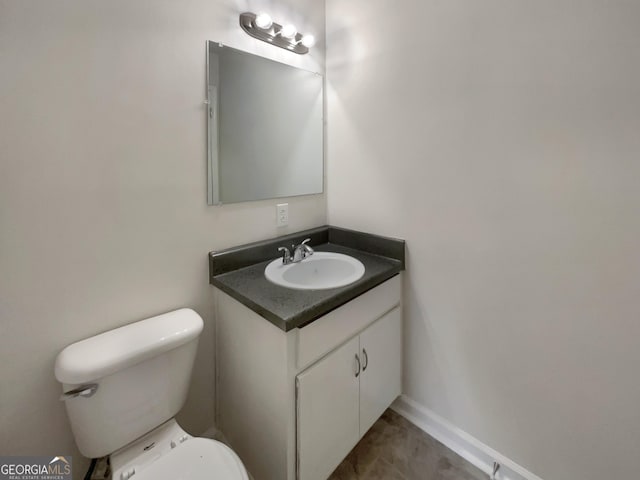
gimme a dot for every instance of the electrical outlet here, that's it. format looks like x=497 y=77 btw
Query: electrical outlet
x=282 y=214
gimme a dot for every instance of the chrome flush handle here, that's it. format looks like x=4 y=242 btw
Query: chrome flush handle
x=85 y=391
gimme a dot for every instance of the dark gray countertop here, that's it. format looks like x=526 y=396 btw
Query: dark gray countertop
x=287 y=308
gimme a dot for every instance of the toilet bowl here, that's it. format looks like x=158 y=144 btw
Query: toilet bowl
x=122 y=389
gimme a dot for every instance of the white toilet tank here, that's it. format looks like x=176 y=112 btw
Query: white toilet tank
x=142 y=372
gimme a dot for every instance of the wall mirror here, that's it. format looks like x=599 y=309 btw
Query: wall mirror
x=265 y=128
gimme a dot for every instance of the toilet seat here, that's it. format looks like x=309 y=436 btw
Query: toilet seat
x=195 y=459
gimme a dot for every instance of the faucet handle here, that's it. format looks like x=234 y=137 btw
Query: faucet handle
x=302 y=251
x=307 y=249
x=286 y=255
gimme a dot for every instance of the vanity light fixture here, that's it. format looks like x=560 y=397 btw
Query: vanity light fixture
x=308 y=41
x=261 y=26
x=263 y=21
x=289 y=31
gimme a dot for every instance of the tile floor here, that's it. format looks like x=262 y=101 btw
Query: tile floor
x=395 y=449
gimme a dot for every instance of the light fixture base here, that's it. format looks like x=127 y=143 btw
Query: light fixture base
x=270 y=35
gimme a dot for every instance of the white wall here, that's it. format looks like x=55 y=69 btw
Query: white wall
x=500 y=139
x=103 y=215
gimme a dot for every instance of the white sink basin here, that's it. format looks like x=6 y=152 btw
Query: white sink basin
x=320 y=271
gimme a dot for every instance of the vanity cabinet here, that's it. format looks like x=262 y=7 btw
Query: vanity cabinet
x=328 y=412
x=381 y=380
x=293 y=404
x=340 y=397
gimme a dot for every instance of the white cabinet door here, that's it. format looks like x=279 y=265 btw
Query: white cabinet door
x=381 y=378
x=327 y=418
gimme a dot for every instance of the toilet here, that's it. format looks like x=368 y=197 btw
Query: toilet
x=122 y=389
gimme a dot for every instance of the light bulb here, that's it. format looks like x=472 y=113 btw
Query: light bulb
x=308 y=41
x=288 y=31
x=263 y=21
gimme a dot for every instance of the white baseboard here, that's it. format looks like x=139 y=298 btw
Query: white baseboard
x=468 y=447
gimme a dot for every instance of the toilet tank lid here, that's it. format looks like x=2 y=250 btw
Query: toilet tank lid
x=115 y=350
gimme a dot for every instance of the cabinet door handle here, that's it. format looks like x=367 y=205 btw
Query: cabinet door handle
x=366 y=359
x=358 y=371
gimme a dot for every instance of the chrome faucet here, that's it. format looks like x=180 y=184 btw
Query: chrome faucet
x=300 y=252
